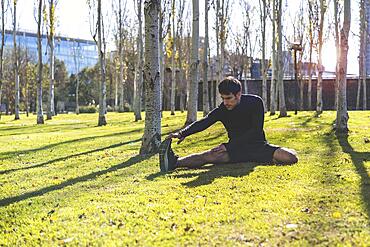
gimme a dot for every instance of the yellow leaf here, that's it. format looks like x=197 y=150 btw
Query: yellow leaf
x=337 y=215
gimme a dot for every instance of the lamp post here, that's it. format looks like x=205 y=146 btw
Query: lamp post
x=296 y=47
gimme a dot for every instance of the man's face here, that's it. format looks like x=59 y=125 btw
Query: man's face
x=231 y=100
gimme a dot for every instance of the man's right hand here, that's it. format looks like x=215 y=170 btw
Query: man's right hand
x=176 y=135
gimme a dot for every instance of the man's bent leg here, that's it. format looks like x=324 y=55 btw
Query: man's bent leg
x=285 y=156
x=207 y=157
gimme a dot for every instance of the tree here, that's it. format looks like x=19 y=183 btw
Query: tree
x=173 y=54
x=152 y=133
x=311 y=25
x=50 y=107
x=76 y=59
x=138 y=83
x=193 y=90
x=40 y=117
x=102 y=64
x=320 y=31
x=342 y=114
x=263 y=17
x=2 y=49
x=205 y=61
x=362 y=60
x=180 y=53
x=16 y=69
x=273 y=85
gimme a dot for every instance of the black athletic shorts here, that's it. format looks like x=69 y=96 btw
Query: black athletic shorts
x=261 y=152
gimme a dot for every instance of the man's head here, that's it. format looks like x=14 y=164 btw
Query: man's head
x=230 y=90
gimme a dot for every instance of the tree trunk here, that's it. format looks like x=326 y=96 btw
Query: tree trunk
x=138 y=84
x=152 y=133
x=362 y=60
x=40 y=117
x=319 y=101
x=2 y=49
x=16 y=72
x=173 y=66
x=76 y=60
x=218 y=55
x=263 y=17
x=50 y=110
x=342 y=114
x=309 y=90
x=336 y=29
x=205 y=62
x=103 y=91
x=120 y=56
x=273 y=97
x=193 y=90
x=282 y=107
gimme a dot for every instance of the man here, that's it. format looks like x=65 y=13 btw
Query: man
x=243 y=118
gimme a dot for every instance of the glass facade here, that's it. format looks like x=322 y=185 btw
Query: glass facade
x=75 y=53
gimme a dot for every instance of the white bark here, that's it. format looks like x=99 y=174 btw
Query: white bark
x=40 y=117
x=50 y=107
x=173 y=66
x=263 y=16
x=205 y=61
x=16 y=72
x=218 y=55
x=138 y=83
x=342 y=114
x=193 y=90
x=274 y=63
x=2 y=48
x=152 y=133
x=319 y=101
x=103 y=91
x=282 y=107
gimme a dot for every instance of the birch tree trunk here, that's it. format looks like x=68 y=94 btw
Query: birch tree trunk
x=152 y=133
x=40 y=117
x=50 y=108
x=282 y=107
x=173 y=71
x=180 y=75
x=103 y=91
x=193 y=90
x=263 y=16
x=138 y=83
x=2 y=49
x=274 y=62
x=319 y=101
x=205 y=61
x=342 y=114
x=16 y=72
x=76 y=59
x=120 y=55
x=336 y=29
x=218 y=55
x=362 y=60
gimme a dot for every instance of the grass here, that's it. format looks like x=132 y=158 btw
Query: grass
x=71 y=183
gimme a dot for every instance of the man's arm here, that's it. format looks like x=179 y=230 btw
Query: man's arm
x=255 y=131
x=197 y=126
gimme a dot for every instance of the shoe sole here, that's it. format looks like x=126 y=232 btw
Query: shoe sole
x=163 y=156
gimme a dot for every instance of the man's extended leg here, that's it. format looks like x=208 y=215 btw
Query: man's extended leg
x=207 y=157
x=285 y=156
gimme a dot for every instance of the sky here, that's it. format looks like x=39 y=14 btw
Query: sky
x=73 y=21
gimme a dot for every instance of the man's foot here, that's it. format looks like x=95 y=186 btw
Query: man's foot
x=167 y=158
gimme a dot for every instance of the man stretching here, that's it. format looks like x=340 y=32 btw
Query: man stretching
x=243 y=118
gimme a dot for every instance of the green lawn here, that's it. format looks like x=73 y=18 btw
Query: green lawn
x=69 y=182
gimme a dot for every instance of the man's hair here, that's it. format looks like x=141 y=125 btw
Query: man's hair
x=229 y=85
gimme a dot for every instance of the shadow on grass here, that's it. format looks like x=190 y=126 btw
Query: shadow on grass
x=76 y=155
x=6 y=155
x=133 y=160
x=358 y=159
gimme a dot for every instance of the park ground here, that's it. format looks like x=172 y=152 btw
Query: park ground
x=69 y=182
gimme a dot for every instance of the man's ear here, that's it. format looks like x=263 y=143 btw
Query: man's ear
x=238 y=95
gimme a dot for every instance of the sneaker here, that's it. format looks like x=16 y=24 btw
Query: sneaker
x=167 y=158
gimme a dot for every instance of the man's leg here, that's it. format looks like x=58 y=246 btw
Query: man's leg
x=285 y=156
x=207 y=157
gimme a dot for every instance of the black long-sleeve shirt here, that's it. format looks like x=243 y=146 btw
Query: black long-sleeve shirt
x=244 y=123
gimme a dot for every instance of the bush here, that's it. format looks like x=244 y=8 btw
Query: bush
x=88 y=109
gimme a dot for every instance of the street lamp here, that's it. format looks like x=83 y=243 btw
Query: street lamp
x=296 y=47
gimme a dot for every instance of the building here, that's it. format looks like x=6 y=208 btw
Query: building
x=75 y=53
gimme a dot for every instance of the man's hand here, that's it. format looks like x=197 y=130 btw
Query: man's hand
x=176 y=135
x=219 y=149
